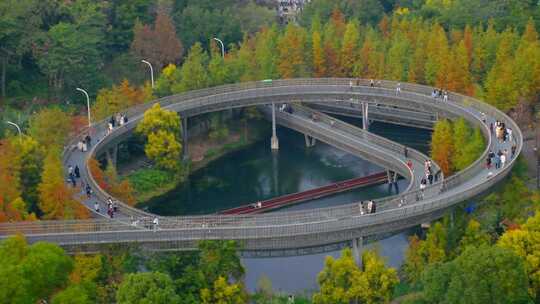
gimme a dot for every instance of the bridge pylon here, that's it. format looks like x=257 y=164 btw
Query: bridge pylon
x=274 y=142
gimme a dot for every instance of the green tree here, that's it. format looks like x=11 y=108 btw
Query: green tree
x=220 y=259
x=525 y=243
x=30 y=273
x=319 y=64
x=146 y=288
x=18 y=24
x=376 y=282
x=164 y=149
x=500 y=83
x=50 y=127
x=193 y=74
x=266 y=53
x=473 y=236
x=73 y=294
x=465 y=279
x=67 y=60
x=157 y=119
x=161 y=129
x=30 y=159
x=422 y=253
x=349 y=49
x=341 y=281
x=223 y=293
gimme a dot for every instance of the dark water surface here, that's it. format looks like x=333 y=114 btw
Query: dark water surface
x=255 y=173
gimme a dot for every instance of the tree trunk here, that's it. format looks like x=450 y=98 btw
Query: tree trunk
x=4 y=67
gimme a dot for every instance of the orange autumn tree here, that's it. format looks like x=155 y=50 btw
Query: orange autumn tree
x=55 y=197
x=292 y=52
x=442 y=145
x=12 y=206
x=120 y=97
x=108 y=180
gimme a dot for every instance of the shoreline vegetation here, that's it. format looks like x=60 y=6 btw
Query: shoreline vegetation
x=151 y=182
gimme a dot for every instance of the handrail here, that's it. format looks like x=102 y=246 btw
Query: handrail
x=308 y=221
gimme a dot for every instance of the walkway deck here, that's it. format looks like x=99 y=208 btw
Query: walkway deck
x=292 y=232
x=299 y=197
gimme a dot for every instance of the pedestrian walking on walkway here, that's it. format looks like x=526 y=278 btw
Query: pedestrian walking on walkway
x=96 y=207
x=398 y=88
x=77 y=172
x=88 y=191
x=503 y=160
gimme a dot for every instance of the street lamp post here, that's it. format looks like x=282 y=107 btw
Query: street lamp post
x=87 y=104
x=151 y=71
x=16 y=126
x=222 y=46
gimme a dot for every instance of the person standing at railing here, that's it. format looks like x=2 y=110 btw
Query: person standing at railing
x=156 y=223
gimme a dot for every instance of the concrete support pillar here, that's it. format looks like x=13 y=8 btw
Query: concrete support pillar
x=112 y=155
x=310 y=141
x=185 y=153
x=357 y=248
x=365 y=116
x=274 y=142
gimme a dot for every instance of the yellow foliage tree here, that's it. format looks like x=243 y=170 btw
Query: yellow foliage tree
x=55 y=198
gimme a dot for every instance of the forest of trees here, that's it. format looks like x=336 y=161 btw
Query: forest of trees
x=483 y=48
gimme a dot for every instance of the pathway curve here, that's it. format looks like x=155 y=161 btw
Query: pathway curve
x=294 y=230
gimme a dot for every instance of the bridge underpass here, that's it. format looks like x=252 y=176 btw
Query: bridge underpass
x=299 y=231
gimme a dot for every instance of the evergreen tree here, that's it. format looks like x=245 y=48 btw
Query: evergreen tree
x=193 y=74
x=349 y=49
x=265 y=53
x=319 y=64
x=501 y=82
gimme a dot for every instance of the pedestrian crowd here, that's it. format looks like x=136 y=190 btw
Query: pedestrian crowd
x=84 y=143
x=502 y=133
x=440 y=94
x=368 y=207
x=116 y=121
x=74 y=174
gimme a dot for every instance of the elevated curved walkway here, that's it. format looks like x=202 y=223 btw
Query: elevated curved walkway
x=291 y=232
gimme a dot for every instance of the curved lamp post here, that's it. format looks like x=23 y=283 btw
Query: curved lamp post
x=87 y=104
x=16 y=126
x=222 y=46
x=151 y=71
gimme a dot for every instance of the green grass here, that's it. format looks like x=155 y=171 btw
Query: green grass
x=150 y=182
